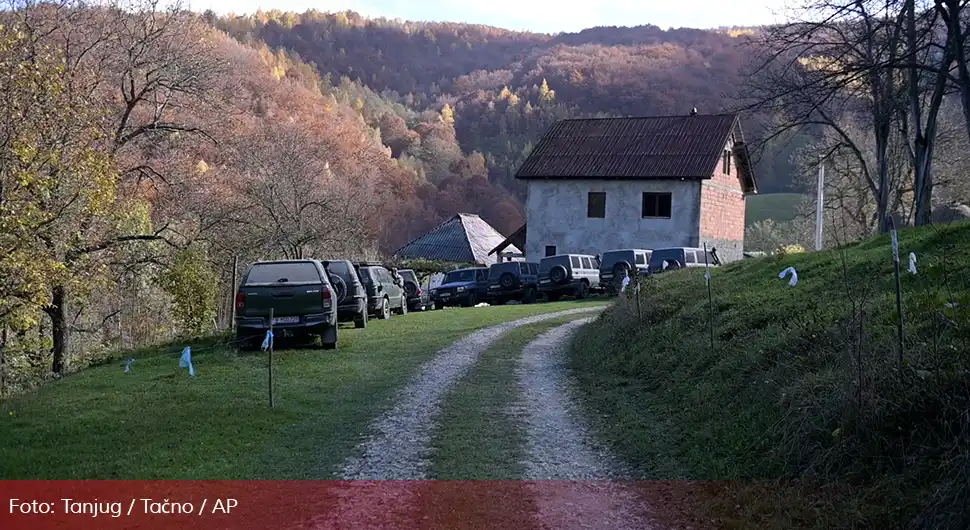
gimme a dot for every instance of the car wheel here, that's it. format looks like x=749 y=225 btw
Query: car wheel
x=530 y=296
x=404 y=305
x=583 y=290
x=330 y=345
x=507 y=280
x=558 y=274
x=361 y=320
x=385 y=310
x=472 y=300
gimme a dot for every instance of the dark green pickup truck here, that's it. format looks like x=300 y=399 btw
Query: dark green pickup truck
x=300 y=294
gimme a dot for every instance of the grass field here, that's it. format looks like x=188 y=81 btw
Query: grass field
x=159 y=423
x=779 y=207
x=478 y=438
x=792 y=390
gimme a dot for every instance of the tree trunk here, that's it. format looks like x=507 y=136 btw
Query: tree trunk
x=60 y=330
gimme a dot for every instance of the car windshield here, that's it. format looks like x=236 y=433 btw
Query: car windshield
x=467 y=275
x=292 y=272
x=408 y=276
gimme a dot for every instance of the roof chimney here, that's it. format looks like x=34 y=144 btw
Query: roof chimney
x=693 y=111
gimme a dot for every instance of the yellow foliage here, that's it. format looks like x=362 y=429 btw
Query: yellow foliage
x=785 y=250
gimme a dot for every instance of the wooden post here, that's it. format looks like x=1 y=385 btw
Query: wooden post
x=272 y=403
x=899 y=294
x=710 y=294
x=232 y=295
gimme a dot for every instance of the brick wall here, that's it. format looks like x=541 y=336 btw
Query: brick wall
x=722 y=212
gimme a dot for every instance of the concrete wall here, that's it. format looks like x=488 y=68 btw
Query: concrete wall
x=556 y=215
x=722 y=212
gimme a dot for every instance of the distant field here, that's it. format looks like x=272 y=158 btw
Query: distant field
x=778 y=207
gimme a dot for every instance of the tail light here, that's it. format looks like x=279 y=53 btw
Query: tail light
x=240 y=301
x=420 y=291
x=326 y=297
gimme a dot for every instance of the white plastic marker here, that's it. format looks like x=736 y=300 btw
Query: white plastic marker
x=186 y=361
x=268 y=341
x=912 y=262
x=707 y=273
x=794 y=276
x=128 y=365
x=626 y=281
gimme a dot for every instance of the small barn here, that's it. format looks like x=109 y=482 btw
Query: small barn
x=464 y=239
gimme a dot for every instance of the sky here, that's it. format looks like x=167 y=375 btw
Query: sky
x=546 y=16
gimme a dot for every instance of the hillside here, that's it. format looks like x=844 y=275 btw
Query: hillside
x=504 y=88
x=819 y=425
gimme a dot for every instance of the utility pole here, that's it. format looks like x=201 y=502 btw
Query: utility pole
x=820 y=200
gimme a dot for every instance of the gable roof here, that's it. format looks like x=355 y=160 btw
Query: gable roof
x=656 y=147
x=516 y=239
x=465 y=238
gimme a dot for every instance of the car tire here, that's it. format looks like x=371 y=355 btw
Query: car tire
x=529 y=297
x=507 y=280
x=558 y=274
x=583 y=291
x=360 y=321
x=385 y=309
x=329 y=345
x=472 y=300
x=404 y=305
x=339 y=287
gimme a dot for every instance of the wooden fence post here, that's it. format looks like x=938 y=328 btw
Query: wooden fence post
x=272 y=403
x=232 y=294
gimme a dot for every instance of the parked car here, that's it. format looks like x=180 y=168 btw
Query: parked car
x=385 y=294
x=465 y=287
x=568 y=275
x=351 y=294
x=513 y=280
x=300 y=295
x=679 y=257
x=616 y=264
x=418 y=299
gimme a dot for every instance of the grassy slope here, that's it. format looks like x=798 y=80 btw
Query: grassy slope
x=478 y=439
x=157 y=422
x=777 y=398
x=779 y=207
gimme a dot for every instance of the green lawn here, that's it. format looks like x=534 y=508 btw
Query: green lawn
x=159 y=423
x=478 y=438
x=779 y=207
x=778 y=397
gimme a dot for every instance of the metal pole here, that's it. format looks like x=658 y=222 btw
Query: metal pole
x=820 y=199
x=232 y=294
x=272 y=404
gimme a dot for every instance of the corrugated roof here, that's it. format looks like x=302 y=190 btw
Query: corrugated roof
x=633 y=148
x=465 y=238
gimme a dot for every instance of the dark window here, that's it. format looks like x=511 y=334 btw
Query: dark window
x=641 y=259
x=550 y=250
x=656 y=205
x=533 y=268
x=480 y=276
x=690 y=257
x=587 y=264
x=575 y=260
x=726 y=163
x=523 y=268
x=465 y=275
x=596 y=205
x=293 y=272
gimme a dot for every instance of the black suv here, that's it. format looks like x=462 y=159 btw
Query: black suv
x=417 y=300
x=351 y=295
x=682 y=257
x=298 y=294
x=384 y=292
x=513 y=280
x=464 y=287
x=616 y=264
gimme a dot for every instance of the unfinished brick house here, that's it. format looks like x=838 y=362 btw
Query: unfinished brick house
x=652 y=182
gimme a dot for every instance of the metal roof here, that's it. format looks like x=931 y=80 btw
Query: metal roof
x=465 y=238
x=657 y=147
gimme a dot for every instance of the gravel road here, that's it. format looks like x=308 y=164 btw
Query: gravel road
x=398 y=446
x=576 y=481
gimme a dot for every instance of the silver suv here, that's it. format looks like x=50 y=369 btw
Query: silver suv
x=568 y=274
